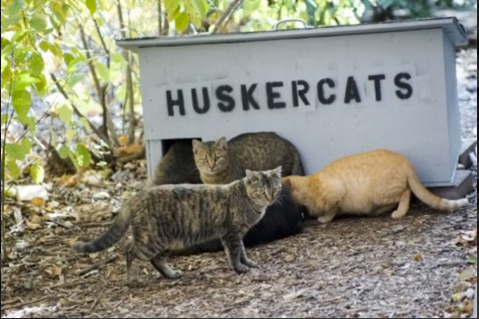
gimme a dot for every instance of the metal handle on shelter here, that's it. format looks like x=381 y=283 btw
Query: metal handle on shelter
x=292 y=20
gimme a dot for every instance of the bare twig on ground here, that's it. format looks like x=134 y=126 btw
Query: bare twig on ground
x=23 y=304
x=90 y=225
x=97 y=265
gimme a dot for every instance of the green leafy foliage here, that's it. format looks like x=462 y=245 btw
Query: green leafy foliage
x=91 y=5
x=83 y=156
x=65 y=113
x=37 y=172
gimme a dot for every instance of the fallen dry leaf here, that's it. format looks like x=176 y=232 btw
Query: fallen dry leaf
x=94 y=256
x=123 y=140
x=129 y=150
x=69 y=180
x=54 y=271
x=36 y=220
x=32 y=226
x=467 y=306
x=418 y=258
x=72 y=241
x=467 y=274
x=38 y=202
x=470 y=236
x=295 y=295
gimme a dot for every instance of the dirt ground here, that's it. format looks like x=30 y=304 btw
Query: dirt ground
x=353 y=267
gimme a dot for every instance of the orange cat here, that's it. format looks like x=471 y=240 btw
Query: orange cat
x=371 y=183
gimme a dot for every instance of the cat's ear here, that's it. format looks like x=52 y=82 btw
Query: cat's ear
x=222 y=142
x=249 y=173
x=277 y=172
x=196 y=145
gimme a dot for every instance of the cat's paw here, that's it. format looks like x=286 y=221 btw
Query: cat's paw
x=325 y=219
x=250 y=263
x=397 y=214
x=175 y=275
x=241 y=269
x=172 y=274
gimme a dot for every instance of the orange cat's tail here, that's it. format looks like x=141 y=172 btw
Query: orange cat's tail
x=429 y=198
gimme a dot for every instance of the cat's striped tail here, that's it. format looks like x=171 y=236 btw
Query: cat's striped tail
x=429 y=198
x=116 y=231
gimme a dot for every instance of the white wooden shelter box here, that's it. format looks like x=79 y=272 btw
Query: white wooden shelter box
x=332 y=91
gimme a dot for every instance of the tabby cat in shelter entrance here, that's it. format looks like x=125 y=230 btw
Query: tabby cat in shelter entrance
x=370 y=183
x=222 y=161
x=171 y=217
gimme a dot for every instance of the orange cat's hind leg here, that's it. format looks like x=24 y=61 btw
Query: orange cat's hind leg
x=403 y=207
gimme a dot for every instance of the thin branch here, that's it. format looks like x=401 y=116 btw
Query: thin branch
x=108 y=126
x=3 y=176
x=105 y=48
x=160 y=18
x=129 y=80
x=98 y=132
x=280 y=13
x=96 y=81
x=224 y=19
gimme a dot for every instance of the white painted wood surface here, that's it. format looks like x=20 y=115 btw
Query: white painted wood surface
x=424 y=127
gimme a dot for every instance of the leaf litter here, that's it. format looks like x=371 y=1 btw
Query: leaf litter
x=352 y=267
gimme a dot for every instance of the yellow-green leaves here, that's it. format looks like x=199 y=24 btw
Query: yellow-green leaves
x=65 y=113
x=103 y=72
x=15 y=152
x=186 y=11
x=37 y=172
x=83 y=155
x=91 y=5
x=182 y=21
x=15 y=8
x=4 y=119
x=38 y=22
x=21 y=101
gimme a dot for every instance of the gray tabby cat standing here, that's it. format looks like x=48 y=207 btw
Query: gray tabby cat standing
x=171 y=217
x=222 y=162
